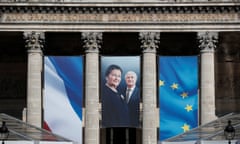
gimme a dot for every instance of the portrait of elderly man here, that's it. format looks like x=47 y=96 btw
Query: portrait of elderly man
x=132 y=98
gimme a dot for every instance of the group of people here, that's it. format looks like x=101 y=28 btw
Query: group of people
x=120 y=106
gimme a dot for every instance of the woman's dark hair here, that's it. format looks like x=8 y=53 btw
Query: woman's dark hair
x=112 y=67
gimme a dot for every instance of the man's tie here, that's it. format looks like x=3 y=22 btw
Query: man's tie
x=127 y=94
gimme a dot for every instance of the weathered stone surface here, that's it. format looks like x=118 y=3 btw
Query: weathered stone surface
x=117 y=18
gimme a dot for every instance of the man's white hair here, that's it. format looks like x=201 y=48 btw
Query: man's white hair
x=131 y=73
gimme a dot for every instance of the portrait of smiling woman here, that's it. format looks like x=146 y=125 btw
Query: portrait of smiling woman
x=114 y=107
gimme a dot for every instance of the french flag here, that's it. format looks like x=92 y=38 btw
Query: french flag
x=62 y=101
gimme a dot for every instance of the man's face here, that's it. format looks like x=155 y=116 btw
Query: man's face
x=130 y=80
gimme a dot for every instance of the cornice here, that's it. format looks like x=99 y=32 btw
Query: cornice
x=120 y=8
x=120 y=16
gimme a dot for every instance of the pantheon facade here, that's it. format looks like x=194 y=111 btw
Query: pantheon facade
x=32 y=29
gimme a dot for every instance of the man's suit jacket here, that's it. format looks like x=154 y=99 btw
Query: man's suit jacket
x=133 y=107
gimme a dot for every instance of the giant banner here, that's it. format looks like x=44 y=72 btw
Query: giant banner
x=62 y=101
x=120 y=91
x=178 y=94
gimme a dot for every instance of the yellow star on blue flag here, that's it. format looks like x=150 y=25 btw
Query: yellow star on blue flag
x=161 y=83
x=188 y=108
x=184 y=95
x=174 y=86
x=185 y=127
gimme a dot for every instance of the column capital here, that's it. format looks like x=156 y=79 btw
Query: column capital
x=92 y=41
x=34 y=40
x=149 y=41
x=208 y=41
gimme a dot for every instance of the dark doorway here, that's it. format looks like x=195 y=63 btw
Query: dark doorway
x=13 y=74
x=121 y=136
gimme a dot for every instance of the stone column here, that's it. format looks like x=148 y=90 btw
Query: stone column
x=92 y=45
x=34 y=43
x=149 y=44
x=207 y=45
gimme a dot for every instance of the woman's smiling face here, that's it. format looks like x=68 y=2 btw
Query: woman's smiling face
x=114 y=78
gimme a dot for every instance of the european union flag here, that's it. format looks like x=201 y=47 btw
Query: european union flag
x=178 y=94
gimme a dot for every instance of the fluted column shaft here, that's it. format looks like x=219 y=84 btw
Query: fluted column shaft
x=92 y=45
x=34 y=43
x=207 y=46
x=149 y=41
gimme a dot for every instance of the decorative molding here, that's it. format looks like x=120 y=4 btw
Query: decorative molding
x=91 y=9
x=208 y=41
x=34 y=40
x=149 y=41
x=63 y=14
x=119 y=17
x=92 y=41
